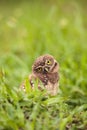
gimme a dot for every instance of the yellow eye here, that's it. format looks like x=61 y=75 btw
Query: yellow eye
x=39 y=69
x=48 y=62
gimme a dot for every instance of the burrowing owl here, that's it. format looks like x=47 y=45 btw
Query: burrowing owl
x=45 y=68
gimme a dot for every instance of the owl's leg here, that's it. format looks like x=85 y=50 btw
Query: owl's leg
x=55 y=89
x=52 y=89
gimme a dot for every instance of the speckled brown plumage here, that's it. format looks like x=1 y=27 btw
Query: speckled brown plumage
x=46 y=69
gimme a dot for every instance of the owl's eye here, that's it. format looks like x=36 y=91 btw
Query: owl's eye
x=39 y=69
x=48 y=62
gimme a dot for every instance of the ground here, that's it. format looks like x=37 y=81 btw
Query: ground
x=29 y=29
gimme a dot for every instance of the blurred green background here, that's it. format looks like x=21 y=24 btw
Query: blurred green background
x=31 y=28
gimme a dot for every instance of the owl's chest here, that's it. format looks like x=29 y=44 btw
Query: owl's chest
x=52 y=78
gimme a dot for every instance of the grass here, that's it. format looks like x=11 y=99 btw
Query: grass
x=28 y=30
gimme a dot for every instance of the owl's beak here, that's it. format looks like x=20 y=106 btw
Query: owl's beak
x=46 y=69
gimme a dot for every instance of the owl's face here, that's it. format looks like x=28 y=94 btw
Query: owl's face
x=44 y=65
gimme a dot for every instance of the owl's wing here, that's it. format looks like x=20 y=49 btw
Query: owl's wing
x=34 y=82
x=31 y=79
x=22 y=86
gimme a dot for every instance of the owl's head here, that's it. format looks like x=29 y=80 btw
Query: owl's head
x=45 y=64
